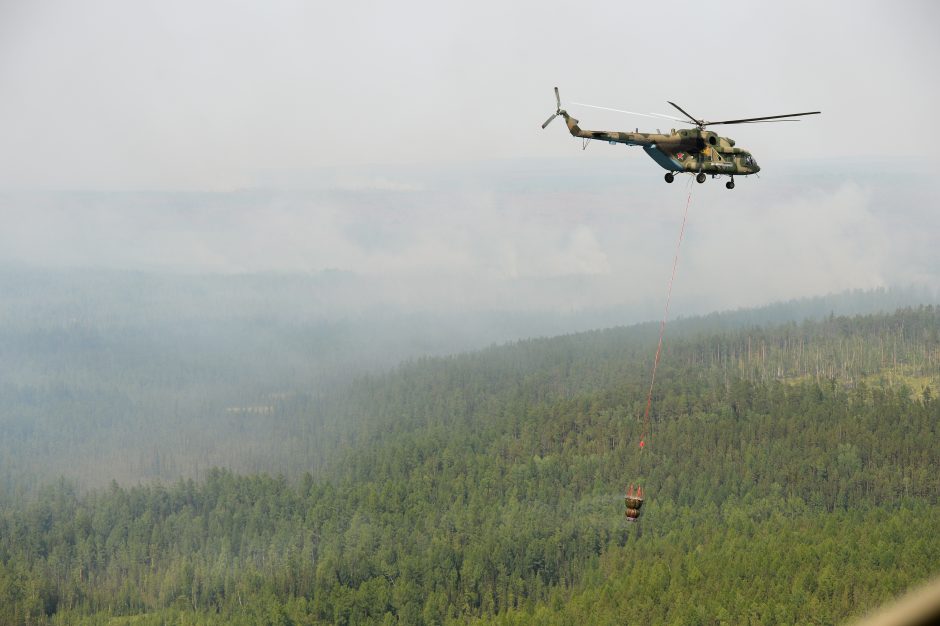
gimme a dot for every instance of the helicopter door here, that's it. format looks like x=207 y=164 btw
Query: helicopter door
x=703 y=159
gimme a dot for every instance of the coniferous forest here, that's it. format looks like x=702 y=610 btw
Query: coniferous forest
x=792 y=476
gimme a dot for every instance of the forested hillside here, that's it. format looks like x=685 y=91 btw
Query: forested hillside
x=145 y=377
x=792 y=477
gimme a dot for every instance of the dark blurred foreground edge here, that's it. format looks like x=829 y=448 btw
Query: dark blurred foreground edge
x=920 y=607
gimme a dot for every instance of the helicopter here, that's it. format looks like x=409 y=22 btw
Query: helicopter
x=694 y=150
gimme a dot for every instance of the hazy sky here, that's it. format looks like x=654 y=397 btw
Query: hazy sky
x=417 y=126
x=108 y=94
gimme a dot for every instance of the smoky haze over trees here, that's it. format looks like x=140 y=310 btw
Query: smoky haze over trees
x=521 y=235
x=137 y=377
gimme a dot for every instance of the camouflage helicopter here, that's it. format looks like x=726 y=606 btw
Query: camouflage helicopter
x=696 y=151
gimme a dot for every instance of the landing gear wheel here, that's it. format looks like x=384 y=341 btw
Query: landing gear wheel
x=730 y=184
x=669 y=177
x=700 y=178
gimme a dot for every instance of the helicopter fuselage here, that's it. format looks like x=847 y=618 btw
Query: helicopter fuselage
x=687 y=150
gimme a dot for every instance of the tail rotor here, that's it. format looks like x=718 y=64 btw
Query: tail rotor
x=557 y=109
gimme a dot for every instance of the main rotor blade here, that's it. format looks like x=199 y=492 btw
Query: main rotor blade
x=557 y=98
x=594 y=106
x=762 y=119
x=763 y=122
x=554 y=115
x=697 y=122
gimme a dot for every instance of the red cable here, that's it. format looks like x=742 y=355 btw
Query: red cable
x=662 y=326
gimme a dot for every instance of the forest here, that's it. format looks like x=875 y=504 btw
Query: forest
x=791 y=477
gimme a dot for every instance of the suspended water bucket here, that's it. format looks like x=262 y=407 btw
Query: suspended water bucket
x=634 y=501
